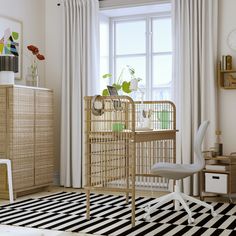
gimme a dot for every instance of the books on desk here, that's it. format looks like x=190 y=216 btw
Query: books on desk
x=217 y=167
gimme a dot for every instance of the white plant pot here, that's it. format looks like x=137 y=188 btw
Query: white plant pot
x=7 y=77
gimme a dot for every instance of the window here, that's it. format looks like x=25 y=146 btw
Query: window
x=143 y=42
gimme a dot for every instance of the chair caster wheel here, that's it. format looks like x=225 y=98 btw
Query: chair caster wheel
x=190 y=220
x=213 y=213
x=147 y=217
x=146 y=209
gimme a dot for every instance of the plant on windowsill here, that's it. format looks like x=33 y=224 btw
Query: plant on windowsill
x=123 y=85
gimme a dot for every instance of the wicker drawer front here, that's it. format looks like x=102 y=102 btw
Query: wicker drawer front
x=43 y=175
x=44 y=140
x=43 y=158
x=26 y=136
x=23 y=179
x=44 y=134
x=21 y=103
x=21 y=127
x=3 y=178
x=3 y=120
x=44 y=151
x=21 y=136
x=25 y=161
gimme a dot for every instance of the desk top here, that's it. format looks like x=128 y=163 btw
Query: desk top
x=147 y=131
x=161 y=134
x=137 y=136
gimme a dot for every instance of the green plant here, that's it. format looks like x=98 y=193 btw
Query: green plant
x=123 y=85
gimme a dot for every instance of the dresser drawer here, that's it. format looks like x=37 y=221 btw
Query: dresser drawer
x=216 y=183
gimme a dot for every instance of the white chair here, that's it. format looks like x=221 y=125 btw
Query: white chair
x=9 y=177
x=180 y=171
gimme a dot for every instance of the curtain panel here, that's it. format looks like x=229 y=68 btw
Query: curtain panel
x=194 y=73
x=79 y=76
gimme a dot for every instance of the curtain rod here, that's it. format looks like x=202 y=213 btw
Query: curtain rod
x=59 y=4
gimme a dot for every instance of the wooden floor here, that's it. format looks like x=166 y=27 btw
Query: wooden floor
x=20 y=231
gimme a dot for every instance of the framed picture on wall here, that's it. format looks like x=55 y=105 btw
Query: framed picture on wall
x=11 y=40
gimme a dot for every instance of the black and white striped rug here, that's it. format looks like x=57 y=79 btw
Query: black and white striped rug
x=110 y=215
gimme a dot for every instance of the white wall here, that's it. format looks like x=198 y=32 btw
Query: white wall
x=53 y=29
x=32 y=15
x=227 y=98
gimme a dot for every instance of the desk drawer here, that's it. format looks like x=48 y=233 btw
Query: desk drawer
x=216 y=183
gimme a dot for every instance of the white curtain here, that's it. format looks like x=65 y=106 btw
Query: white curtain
x=80 y=73
x=195 y=57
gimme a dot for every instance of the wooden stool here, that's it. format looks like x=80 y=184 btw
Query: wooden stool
x=9 y=177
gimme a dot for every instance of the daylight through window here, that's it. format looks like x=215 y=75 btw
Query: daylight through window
x=142 y=41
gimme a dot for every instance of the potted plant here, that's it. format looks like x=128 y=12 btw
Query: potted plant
x=121 y=84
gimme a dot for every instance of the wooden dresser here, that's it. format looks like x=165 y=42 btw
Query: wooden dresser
x=26 y=137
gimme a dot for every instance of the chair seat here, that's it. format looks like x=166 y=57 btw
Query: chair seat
x=174 y=171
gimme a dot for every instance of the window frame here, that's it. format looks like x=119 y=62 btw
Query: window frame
x=149 y=53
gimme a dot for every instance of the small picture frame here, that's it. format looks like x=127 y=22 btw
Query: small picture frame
x=11 y=40
x=113 y=92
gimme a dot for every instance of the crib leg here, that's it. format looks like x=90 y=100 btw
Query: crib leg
x=88 y=205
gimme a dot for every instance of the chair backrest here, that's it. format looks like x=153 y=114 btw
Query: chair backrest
x=198 y=144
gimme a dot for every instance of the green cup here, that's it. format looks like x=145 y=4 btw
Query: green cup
x=164 y=117
x=118 y=127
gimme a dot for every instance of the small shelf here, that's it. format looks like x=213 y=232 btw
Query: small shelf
x=226 y=87
x=231 y=159
x=228 y=71
x=211 y=179
x=216 y=171
x=223 y=81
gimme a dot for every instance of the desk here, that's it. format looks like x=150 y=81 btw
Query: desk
x=119 y=161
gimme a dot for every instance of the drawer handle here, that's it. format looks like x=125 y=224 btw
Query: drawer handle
x=215 y=177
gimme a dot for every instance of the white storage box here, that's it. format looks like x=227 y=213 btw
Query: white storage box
x=216 y=183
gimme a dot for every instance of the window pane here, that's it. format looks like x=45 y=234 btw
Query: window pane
x=162 y=35
x=161 y=93
x=104 y=51
x=162 y=70
x=104 y=69
x=104 y=36
x=130 y=37
x=138 y=63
